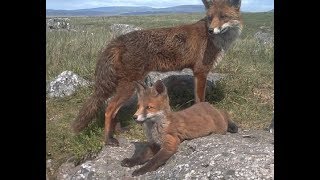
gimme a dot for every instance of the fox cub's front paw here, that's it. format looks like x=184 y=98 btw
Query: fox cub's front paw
x=127 y=162
x=139 y=172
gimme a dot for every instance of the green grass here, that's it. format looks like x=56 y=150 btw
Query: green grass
x=247 y=90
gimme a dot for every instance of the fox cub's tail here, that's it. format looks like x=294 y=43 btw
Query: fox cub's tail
x=232 y=127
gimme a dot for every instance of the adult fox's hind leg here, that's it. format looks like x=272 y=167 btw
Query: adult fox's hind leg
x=123 y=92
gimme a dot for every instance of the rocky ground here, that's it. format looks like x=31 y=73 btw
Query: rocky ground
x=244 y=155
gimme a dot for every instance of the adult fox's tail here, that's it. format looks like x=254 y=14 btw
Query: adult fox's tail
x=105 y=85
x=87 y=112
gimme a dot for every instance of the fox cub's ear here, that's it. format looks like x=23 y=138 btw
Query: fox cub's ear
x=140 y=88
x=159 y=88
x=235 y=3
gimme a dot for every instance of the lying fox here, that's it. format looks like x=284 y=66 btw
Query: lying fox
x=130 y=57
x=166 y=129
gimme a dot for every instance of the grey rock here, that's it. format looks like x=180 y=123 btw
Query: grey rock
x=58 y=23
x=180 y=84
x=49 y=168
x=229 y=156
x=120 y=29
x=49 y=165
x=65 y=84
x=184 y=75
x=65 y=169
x=264 y=36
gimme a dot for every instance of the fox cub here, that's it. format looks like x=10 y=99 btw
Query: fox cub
x=166 y=129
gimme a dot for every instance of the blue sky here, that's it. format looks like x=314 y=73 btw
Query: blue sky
x=247 y=5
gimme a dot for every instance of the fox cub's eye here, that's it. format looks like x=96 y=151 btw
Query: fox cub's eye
x=149 y=107
x=209 y=18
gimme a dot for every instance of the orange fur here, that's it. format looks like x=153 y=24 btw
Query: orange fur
x=166 y=129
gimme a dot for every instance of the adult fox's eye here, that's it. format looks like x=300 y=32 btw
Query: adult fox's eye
x=223 y=16
x=209 y=18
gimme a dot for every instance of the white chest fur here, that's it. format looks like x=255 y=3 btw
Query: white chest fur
x=155 y=129
x=225 y=39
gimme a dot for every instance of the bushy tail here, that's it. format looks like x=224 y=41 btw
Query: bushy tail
x=105 y=84
x=87 y=113
x=232 y=126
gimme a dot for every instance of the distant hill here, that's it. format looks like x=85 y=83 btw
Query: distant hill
x=271 y=10
x=126 y=10
x=170 y=10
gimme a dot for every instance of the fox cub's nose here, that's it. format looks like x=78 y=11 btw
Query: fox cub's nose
x=210 y=30
x=135 y=117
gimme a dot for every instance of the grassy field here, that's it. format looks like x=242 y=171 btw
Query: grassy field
x=247 y=88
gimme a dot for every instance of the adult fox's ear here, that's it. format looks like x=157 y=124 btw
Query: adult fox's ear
x=159 y=88
x=235 y=3
x=140 y=87
x=207 y=3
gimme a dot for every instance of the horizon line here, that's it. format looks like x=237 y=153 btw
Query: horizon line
x=140 y=6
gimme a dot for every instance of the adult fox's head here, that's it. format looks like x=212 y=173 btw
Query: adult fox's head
x=222 y=15
x=153 y=102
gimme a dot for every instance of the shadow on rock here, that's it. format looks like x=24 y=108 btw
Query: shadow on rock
x=138 y=147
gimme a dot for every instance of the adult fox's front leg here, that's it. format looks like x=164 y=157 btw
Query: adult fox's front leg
x=123 y=92
x=200 y=83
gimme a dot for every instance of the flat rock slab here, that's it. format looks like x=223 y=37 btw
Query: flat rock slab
x=244 y=155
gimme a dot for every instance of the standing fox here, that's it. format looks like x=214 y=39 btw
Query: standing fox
x=130 y=57
x=166 y=129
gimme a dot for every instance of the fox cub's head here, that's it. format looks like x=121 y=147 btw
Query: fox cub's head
x=153 y=102
x=222 y=15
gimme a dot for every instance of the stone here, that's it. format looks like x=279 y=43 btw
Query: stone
x=120 y=29
x=215 y=156
x=65 y=84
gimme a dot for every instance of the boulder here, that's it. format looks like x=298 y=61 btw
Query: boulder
x=244 y=155
x=264 y=36
x=58 y=23
x=65 y=84
x=119 y=29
